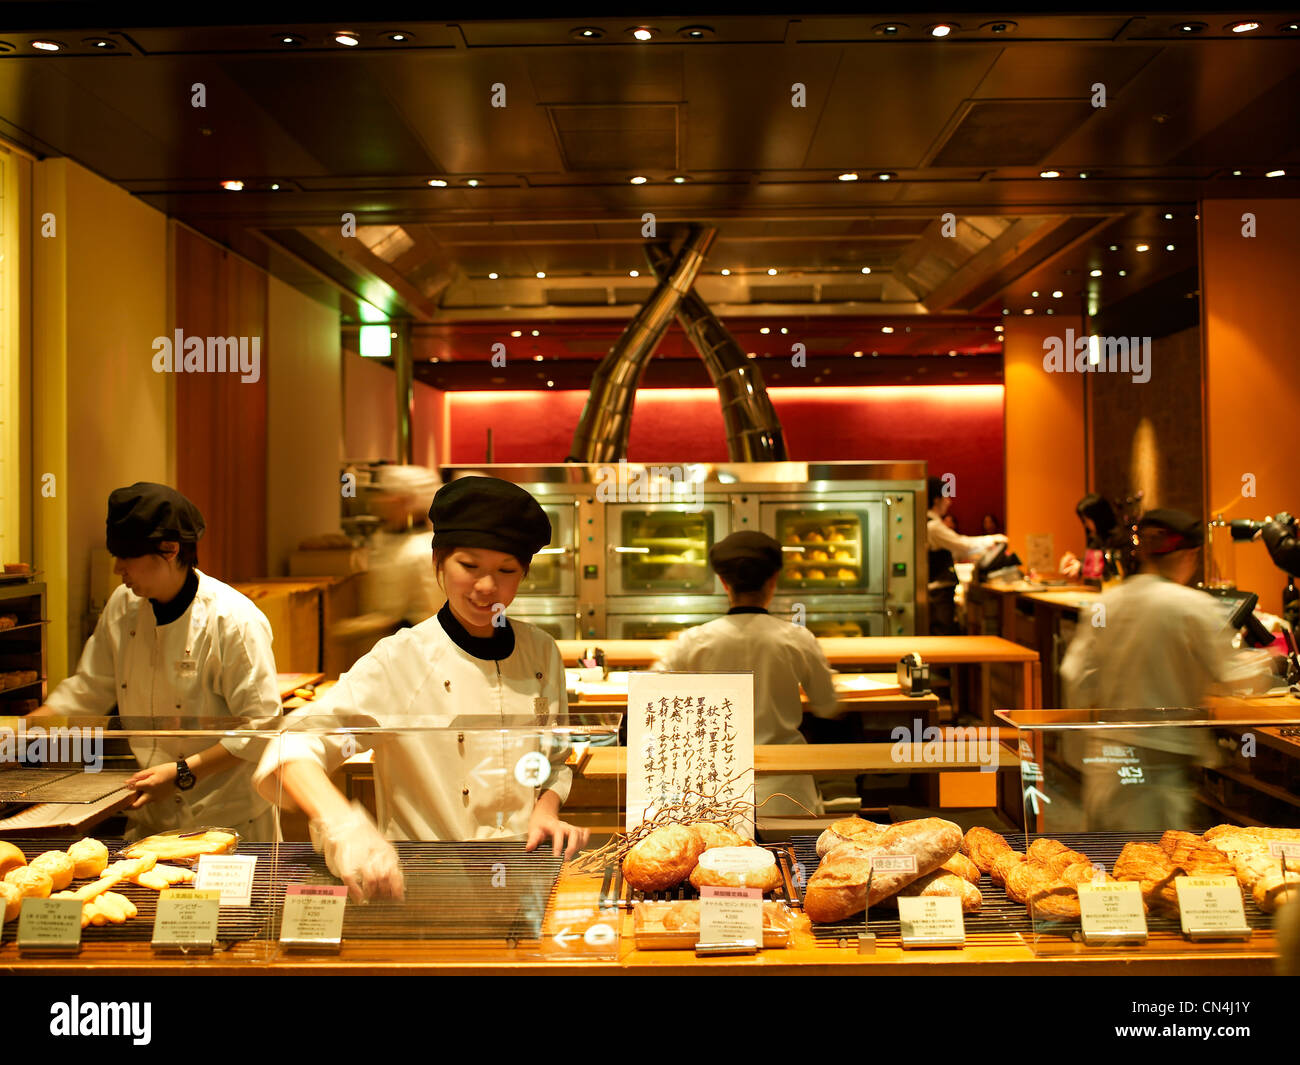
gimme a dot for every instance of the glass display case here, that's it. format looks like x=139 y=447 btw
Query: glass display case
x=1132 y=841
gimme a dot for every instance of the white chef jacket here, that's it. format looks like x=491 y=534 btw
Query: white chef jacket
x=939 y=537
x=401 y=581
x=211 y=665
x=783 y=657
x=450 y=783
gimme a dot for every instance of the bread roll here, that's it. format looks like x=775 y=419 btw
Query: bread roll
x=982 y=846
x=663 y=859
x=58 y=865
x=848 y=830
x=33 y=883
x=12 y=900
x=715 y=835
x=839 y=887
x=10 y=857
x=747 y=867
x=90 y=858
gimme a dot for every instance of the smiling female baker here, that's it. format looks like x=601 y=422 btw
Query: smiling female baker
x=175 y=648
x=466 y=661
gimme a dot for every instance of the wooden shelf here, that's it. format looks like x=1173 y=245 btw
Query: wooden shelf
x=1271 y=790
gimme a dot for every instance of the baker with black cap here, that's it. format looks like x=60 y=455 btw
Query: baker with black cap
x=1153 y=642
x=469 y=660
x=176 y=648
x=782 y=656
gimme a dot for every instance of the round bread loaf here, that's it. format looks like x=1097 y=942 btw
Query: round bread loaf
x=31 y=882
x=716 y=835
x=10 y=857
x=89 y=856
x=12 y=900
x=747 y=867
x=58 y=865
x=663 y=859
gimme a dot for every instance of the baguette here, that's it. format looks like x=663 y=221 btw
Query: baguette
x=838 y=889
x=848 y=830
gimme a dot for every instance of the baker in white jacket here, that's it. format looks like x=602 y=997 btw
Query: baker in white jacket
x=464 y=676
x=176 y=649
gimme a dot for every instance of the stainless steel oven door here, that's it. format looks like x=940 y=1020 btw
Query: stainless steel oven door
x=554 y=569
x=557 y=618
x=834 y=618
x=663 y=548
x=663 y=619
x=829 y=546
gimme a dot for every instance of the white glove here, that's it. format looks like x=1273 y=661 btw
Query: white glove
x=358 y=855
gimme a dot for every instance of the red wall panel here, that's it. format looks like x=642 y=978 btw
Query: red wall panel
x=954 y=428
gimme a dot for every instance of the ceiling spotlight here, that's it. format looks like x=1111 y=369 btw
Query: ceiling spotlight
x=1168 y=215
x=695 y=33
x=47 y=46
x=1034 y=294
x=587 y=33
x=638 y=180
x=1027 y=310
x=952 y=353
x=998 y=328
x=1290 y=27
x=1083 y=174
x=541 y=274
x=550 y=384
x=849 y=176
x=886 y=328
x=399 y=36
x=437 y=183
x=293 y=40
x=765 y=330
x=516 y=332
x=1002 y=26
x=889 y=29
x=537 y=332
x=886 y=175
x=726 y=273
x=538 y=358
x=1190 y=27
x=493 y=276
x=102 y=43
x=784 y=330
x=472 y=182
x=1094 y=273
x=771 y=272
x=643 y=33
x=1123 y=273
x=1169 y=247
x=680 y=179
x=1141 y=247
x=233 y=186
x=752 y=355
x=1243 y=27
x=857 y=354
x=1050 y=311
x=1049 y=173
x=350 y=40
x=866 y=269
x=634 y=273
x=1276 y=173
x=1057 y=294
x=942 y=29
x=1114 y=247
x=1236 y=173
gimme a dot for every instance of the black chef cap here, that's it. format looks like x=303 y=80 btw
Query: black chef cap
x=490 y=513
x=145 y=514
x=746 y=560
x=1164 y=530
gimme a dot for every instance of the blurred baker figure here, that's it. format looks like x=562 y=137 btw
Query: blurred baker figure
x=947 y=546
x=175 y=648
x=1152 y=643
x=782 y=656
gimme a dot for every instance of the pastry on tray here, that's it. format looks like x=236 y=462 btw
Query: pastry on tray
x=188 y=847
x=742 y=867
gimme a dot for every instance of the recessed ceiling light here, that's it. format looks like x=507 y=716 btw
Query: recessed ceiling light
x=1057 y=294
x=438 y=183
x=1001 y=26
x=102 y=43
x=1290 y=27
x=587 y=33
x=1141 y=247
x=537 y=332
x=886 y=175
x=997 y=328
x=1236 y=173
x=1190 y=27
x=47 y=46
x=942 y=29
x=857 y=354
x=695 y=33
x=541 y=274
x=1049 y=173
x=1050 y=310
x=516 y=332
x=493 y=276
x=1123 y=273
x=1094 y=273
x=784 y=330
x=634 y=273
x=398 y=36
x=751 y=354
x=638 y=180
x=293 y=40
x=643 y=33
x=1005 y=311
x=952 y=353
x=886 y=328
x=680 y=179
x=1243 y=27
x=1276 y=173
x=1168 y=215
x=726 y=273
x=233 y=186
x=866 y=269
x=350 y=40
x=1114 y=247
x=538 y=358
x=771 y=272
x=849 y=176
x=889 y=29
x=550 y=384
x=1034 y=294
x=1169 y=247
x=1083 y=174
x=765 y=330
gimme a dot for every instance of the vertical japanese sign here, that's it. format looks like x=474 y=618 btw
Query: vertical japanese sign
x=688 y=732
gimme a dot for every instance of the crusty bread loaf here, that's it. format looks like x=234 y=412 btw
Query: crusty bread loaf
x=941 y=884
x=663 y=859
x=746 y=867
x=838 y=889
x=848 y=830
x=983 y=846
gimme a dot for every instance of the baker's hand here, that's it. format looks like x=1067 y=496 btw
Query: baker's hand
x=1069 y=565
x=153 y=785
x=358 y=855
x=564 y=837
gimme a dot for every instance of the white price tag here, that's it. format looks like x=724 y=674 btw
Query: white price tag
x=230 y=874
x=313 y=915
x=731 y=915
x=1112 y=912
x=931 y=922
x=1210 y=907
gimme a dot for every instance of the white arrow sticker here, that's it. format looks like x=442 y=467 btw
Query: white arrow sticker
x=564 y=937
x=1033 y=795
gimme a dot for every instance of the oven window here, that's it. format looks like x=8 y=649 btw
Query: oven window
x=823 y=549
x=663 y=551
x=635 y=629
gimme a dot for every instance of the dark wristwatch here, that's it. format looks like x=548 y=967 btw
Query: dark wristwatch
x=185 y=778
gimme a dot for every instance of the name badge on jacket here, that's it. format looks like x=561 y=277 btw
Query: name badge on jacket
x=187 y=667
